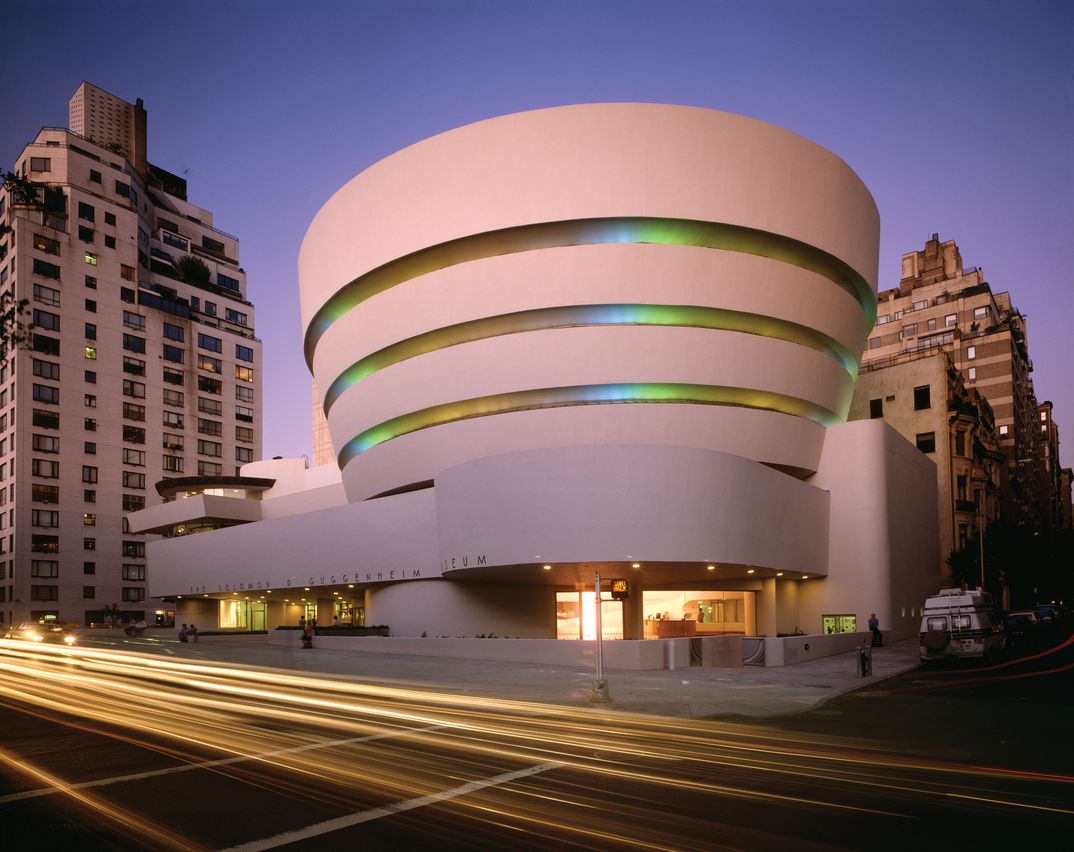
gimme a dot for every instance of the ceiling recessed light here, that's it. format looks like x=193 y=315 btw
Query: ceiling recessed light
x=636 y=565
x=350 y=585
x=710 y=568
x=749 y=570
x=306 y=589
x=547 y=567
x=779 y=573
x=805 y=576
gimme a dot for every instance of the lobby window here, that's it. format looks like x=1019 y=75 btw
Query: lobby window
x=922 y=398
x=926 y=442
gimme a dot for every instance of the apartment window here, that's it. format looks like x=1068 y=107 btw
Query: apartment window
x=960 y=443
x=46 y=295
x=89 y=567
x=208 y=468
x=89 y=544
x=173 y=353
x=244 y=434
x=244 y=414
x=1044 y=417
x=133 y=503
x=207 y=385
x=244 y=454
x=173 y=332
x=922 y=398
x=971 y=352
x=126 y=272
x=85 y=211
x=94 y=176
x=46 y=320
x=960 y=487
x=950 y=320
x=40 y=164
x=173 y=377
x=89 y=447
x=909 y=330
x=244 y=394
x=174 y=241
x=45 y=493
x=109 y=219
x=90 y=400
x=46 y=394
x=134 y=549
x=44 y=593
x=231 y=315
x=46 y=370
x=45 y=345
x=971 y=374
x=207 y=341
x=89 y=495
x=981 y=313
x=90 y=258
x=134 y=366
x=91 y=306
x=134 y=434
x=123 y=190
x=46 y=419
x=209 y=406
x=173 y=464
x=172 y=441
x=89 y=519
x=90 y=377
x=90 y=353
x=135 y=321
x=133 y=411
x=89 y=592
x=91 y=282
x=89 y=424
x=883 y=319
x=172 y=397
x=210 y=308
x=109 y=241
x=212 y=365
x=243 y=353
x=876 y=408
x=244 y=374
x=210 y=427
x=91 y=331
x=46 y=444
x=209 y=448
x=134 y=389
x=921 y=305
x=134 y=572
x=126 y=294
x=227 y=281
x=45 y=543
x=926 y=442
x=173 y=419
x=46 y=270
x=47 y=568
x=89 y=474
x=44 y=518
x=133 y=480
x=930 y=325
x=134 y=457
x=134 y=344
x=133 y=594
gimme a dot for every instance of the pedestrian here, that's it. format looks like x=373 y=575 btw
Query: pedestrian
x=874 y=627
x=302 y=621
x=307 y=635
x=184 y=632
x=335 y=621
x=193 y=632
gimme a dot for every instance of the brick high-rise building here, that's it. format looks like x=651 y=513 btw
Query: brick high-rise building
x=141 y=365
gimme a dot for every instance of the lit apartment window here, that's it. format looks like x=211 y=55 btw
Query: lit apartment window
x=1004 y=430
x=971 y=352
x=950 y=320
x=46 y=244
x=244 y=374
x=90 y=353
x=1044 y=417
x=90 y=258
x=971 y=374
x=89 y=519
x=212 y=365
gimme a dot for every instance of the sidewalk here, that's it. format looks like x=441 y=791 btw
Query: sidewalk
x=693 y=692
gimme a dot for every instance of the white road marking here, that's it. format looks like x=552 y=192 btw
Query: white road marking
x=338 y=823
x=211 y=764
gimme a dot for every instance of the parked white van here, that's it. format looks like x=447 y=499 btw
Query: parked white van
x=957 y=623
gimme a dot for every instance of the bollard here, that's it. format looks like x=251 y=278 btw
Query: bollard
x=865 y=661
x=601 y=693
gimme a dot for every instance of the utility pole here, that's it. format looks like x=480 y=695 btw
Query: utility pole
x=600 y=685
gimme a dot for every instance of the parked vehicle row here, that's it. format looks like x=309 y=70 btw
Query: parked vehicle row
x=43 y=631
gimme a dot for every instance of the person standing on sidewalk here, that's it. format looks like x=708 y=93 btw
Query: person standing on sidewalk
x=874 y=627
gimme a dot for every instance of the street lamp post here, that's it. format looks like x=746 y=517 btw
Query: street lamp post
x=600 y=685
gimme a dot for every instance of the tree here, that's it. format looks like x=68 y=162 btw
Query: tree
x=14 y=330
x=193 y=270
x=1015 y=558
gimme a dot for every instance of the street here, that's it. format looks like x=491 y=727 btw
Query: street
x=108 y=749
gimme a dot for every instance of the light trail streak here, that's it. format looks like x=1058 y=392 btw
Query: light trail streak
x=411 y=746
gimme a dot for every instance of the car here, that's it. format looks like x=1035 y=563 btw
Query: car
x=43 y=631
x=1017 y=624
x=1047 y=612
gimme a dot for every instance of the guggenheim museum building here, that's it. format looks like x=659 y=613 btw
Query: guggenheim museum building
x=615 y=338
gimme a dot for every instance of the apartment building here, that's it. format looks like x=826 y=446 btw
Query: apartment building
x=141 y=363
x=1057 y=494
x=940 y=304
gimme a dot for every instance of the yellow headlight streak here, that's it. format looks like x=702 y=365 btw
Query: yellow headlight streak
x=344 y=735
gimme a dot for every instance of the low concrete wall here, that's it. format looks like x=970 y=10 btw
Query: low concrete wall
x=724 y=652
x=788 y=650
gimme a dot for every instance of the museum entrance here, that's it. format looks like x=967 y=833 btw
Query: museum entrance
x=576 y=616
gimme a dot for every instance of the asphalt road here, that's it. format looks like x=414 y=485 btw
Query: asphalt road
x=109 y=750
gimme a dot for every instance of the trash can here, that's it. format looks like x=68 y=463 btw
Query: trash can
x=865 y=661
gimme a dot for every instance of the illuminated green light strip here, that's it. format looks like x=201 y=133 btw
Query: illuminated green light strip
x=574 y=232
x=626 y=392
x=691 y=316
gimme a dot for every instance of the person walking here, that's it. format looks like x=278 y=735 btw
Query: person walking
x=184 y=632
x=193 y=632
x=874 y=627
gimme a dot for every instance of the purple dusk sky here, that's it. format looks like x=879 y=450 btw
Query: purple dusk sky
x=957 y=115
